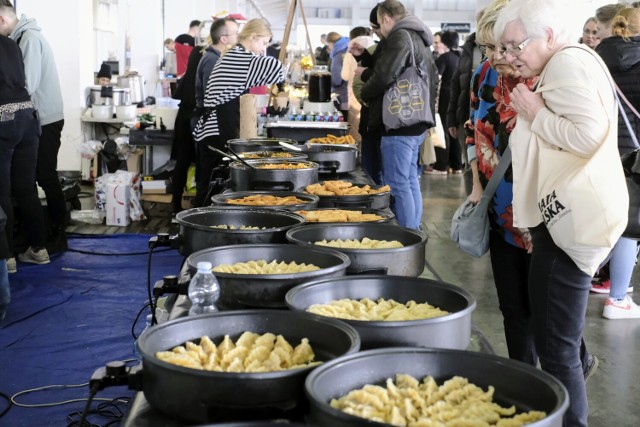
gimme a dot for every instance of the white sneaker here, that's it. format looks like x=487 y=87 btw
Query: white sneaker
x=624 y=309
x=35 y=257
x=11 y=265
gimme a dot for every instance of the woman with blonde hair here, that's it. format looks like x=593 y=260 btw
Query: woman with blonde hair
x=621 y=53
x=242 y=67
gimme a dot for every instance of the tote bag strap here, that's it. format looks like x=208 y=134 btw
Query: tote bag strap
x=623 y=113
x=492 y=185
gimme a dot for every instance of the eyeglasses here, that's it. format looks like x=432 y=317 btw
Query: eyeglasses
x=484 y=48
x=516 y=50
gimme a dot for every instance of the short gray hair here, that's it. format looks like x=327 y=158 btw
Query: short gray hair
x=536 y=17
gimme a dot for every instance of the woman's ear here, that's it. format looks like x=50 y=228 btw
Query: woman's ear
x=550 y=38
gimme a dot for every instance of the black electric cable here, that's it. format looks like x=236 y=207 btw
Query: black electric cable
x=135 y=321
x=154 y=321
x=118 y=254
x=108 y=410
x=9 y=404
x=92 y=394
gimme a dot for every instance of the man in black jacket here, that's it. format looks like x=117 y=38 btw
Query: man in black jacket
x=458 y=110
x=400 y=147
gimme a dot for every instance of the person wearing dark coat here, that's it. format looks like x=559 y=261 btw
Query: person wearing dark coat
x=621 y=54
x=458 y=109
x=400 y=147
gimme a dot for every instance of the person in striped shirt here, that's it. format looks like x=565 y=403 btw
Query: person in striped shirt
x=244 y=66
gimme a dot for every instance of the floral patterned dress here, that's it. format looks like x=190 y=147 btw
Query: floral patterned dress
x=490 y=124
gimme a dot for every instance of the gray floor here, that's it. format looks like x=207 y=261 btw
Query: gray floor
x=614 y=389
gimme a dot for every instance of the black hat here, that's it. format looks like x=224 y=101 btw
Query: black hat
x=105 y=71
x=373 y=16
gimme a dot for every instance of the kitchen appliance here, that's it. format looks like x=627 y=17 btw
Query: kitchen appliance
x=258 y=144
x=319 y=85
x=108 y=95
x=244 y=178
x=135 y=83
x=408 y=260
x=309 y=201
x=515 y=383
x=126 y=112
x=197 y=230
x=356 y=201
x=206 y=396
x=266 y=290
x=332 y=159
x=451 y=331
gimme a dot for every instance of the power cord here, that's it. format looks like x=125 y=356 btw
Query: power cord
x=135 y=322
x=9 y=404
x=108 y=410
x=152 y=303
x=52 y=387
x=118 y=254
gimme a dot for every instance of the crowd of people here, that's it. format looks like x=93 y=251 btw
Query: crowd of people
x=520 y=82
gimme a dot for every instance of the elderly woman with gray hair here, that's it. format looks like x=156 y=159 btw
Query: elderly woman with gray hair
x=570 y=115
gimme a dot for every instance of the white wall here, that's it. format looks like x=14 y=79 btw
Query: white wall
x=71 y=40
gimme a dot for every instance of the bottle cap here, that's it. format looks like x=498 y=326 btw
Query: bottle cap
x=204 y=266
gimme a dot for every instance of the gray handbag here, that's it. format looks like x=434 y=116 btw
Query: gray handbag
x=406 y=102
x=470 y=223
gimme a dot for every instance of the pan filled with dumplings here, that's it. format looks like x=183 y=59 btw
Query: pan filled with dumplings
x=200 y=367
x=373 y=248
x=202 y=228
x=405 y=386
x=259 y=275
x=281 y=200
x=272 y=174
x=391 y=311
x=346 y=194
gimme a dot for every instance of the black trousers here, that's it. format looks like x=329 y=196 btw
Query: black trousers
x=184 y=153
x=510 y=265
x=207 y=161
x=47 y=173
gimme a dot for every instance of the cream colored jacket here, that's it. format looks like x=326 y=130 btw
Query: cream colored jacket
x=579 y=114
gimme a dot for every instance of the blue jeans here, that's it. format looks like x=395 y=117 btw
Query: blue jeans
x=18 y=158
x=623 y=259
x=400 y=166
x=558 y=292
x=5 y=293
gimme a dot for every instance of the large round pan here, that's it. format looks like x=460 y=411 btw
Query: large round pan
x=332 y=159
x=406 y=261
x=371 y=201
x=450 y=331
x=385 y=216
x=515 y=383
x=197 y=396
x=266 y=290
x=244 y=178
x=258 y=144
x=197 y=232
x=309 y=201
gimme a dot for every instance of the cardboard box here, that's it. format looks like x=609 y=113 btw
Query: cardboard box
x=134 y=161
x=155 y=187
x=118 y=197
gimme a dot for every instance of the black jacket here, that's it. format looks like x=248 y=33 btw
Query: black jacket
x=623 y=59
x=458 y=109
x=4 y=248
x=12 y=79
x=447 y=64
x=392 y=57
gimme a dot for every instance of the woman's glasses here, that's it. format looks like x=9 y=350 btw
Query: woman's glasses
x=514 y=50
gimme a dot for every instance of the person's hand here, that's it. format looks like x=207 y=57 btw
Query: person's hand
x=359 y=71
x=525 y=102
x=356 y=49
x=453 y=131
x=476 y=193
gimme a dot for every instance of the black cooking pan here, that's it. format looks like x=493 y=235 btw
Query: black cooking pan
x=266 y=290
x=198 y=396
x=406 y=261
x=450 y=331
x=371 y=201
x=309 y=201
x=196 y=232
x=258 y=144
x=515 y=383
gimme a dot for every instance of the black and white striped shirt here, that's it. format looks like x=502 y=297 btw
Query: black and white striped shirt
x=234 y=73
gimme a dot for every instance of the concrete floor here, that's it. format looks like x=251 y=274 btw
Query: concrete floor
x=614 y=389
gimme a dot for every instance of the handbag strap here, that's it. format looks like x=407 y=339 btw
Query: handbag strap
x=623 y=113
x=413 y=56
x=492 y=185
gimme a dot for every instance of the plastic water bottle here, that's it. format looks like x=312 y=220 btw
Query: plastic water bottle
x=204 y=290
